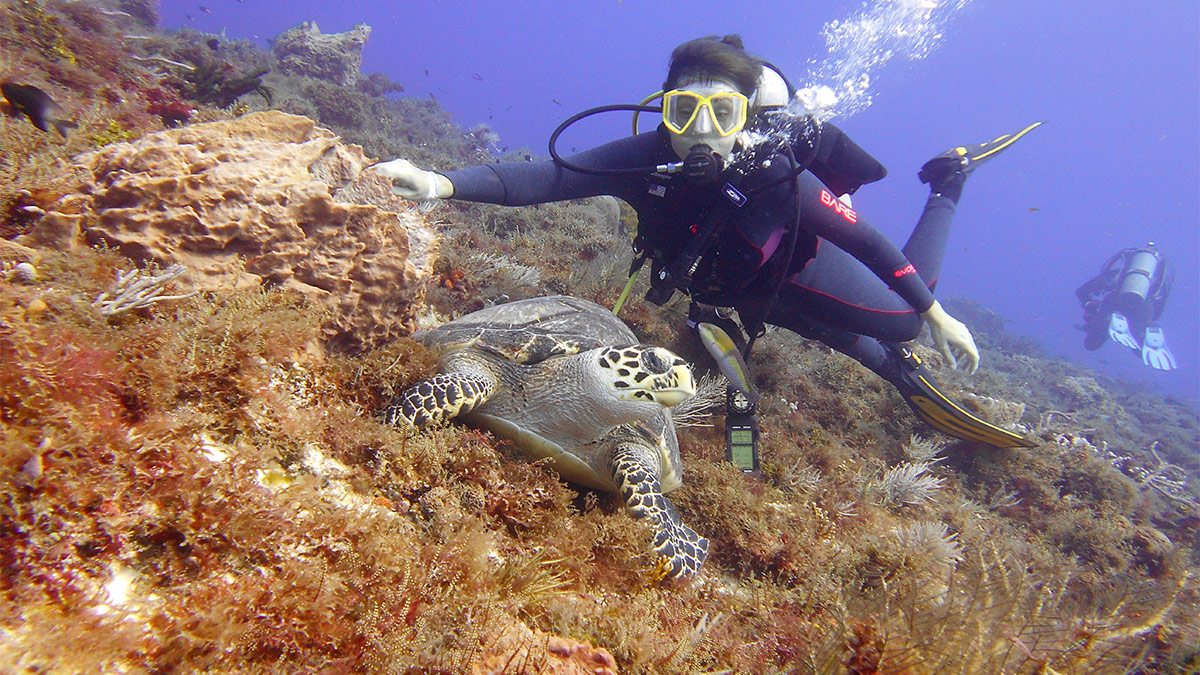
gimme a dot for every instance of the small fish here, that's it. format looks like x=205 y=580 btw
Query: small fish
x=1034 y=208
x=556 y=101
x=729 y=359
x=426 y=72
x=213 y=44
x=432 y=96
x=476 y=76
x=37 y=106
x=204 y=9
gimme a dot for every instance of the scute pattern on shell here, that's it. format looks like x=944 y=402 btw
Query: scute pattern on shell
x=533 y=330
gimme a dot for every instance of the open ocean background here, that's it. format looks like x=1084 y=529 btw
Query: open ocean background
x=1116 y=165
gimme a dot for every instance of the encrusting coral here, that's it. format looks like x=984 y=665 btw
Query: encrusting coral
x=200 y=484
x=207 y=196
x=305 y=50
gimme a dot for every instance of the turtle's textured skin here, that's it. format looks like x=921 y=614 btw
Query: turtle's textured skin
x=564 y=378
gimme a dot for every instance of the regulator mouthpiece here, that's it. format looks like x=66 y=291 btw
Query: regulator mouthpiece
x=702 y=166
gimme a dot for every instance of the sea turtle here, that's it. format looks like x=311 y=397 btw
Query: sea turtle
x=564 y=378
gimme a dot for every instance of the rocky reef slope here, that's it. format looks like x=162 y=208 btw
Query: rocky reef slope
x=192 y=477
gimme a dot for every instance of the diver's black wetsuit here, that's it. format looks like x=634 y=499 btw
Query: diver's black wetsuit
x=846 y=279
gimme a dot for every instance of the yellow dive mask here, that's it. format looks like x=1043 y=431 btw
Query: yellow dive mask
x=726 y=110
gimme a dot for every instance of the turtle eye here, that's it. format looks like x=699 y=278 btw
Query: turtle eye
x=654 y=362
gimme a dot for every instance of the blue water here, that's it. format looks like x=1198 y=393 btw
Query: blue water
x=1115 y=166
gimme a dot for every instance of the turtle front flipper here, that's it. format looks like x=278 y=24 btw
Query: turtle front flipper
x=438 y=399
x=681 y=551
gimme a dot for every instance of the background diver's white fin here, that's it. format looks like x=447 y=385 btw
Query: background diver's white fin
x=1155 y=352
x=1118 y=330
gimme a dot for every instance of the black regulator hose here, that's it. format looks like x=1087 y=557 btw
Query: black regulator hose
x=616 y=107
x=796 y=168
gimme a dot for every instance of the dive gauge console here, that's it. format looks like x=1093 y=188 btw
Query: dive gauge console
x=741 y=431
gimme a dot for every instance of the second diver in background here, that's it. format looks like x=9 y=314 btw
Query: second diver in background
x=1125 y=301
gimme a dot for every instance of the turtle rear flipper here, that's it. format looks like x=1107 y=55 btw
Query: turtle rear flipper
x=438 y=399
x=681 y=551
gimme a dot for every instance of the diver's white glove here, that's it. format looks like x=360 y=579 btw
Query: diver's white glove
x=950 y=335
x=412 y=183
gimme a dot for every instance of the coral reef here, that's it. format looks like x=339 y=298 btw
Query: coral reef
x=207 y=196
x=198 y=483
x=220 y=85
x=306 y=51
x=520 y=651
x=44 y=29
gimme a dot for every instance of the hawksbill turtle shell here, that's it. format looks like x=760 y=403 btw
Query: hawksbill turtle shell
x=531 y=331
x=564 y=378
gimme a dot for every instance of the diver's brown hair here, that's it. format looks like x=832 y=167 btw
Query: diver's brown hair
x=714 y=57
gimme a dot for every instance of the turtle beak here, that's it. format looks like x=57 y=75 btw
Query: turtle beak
x=650 y=374
x=675 y=386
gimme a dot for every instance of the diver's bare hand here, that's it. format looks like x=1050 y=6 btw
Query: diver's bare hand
x=410 y=182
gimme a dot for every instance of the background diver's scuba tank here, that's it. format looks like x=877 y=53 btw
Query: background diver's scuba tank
x=1139 y=276
x=1140 y=272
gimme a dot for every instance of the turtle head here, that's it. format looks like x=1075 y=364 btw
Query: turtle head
x=650 y=374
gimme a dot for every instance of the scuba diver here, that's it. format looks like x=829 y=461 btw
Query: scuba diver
x=744 y=206
x=1125 y=300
